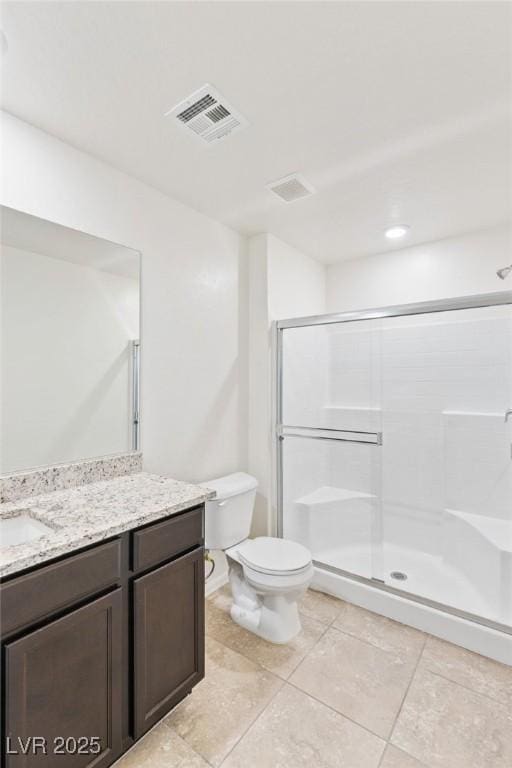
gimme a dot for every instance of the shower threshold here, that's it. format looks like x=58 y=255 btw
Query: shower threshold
x=426 y=578
x=486 y=637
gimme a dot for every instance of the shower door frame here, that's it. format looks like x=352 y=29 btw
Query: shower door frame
x=499 y=298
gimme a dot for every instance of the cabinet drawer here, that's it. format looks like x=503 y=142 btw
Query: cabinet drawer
x=49 y=589
x=160 y=541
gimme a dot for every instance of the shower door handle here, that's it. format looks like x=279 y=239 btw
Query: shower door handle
x=507 y=414
x=328 y=433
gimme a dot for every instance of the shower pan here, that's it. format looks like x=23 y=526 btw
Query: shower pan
x=394 y=461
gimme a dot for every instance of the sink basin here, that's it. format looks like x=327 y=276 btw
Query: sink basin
x=20 y=529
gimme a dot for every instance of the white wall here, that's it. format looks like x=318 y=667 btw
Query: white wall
x=283 y=283
x=194 y=297
x=296 y=283
x=66 y=360
x=259 y=388
x=456 y=266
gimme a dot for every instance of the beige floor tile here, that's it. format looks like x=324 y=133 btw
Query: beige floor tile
x=357 y=679
x=321 y=607
x=279 y=659
x=222 y=707
x=295 y=731
x=161 y=748
x=395 y=758
x=447 y=726
x=470 y=669
x=379 y=631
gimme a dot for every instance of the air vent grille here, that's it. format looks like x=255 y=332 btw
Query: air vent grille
x=218 y=113
x=291 y=188
x=208 y=115
x=194 y=110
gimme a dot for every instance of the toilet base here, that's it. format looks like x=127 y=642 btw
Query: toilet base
x=270 y=615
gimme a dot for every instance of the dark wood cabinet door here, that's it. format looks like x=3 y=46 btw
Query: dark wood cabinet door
x=64 y=681
x=169 y=636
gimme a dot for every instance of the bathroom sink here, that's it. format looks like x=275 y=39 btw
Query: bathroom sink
x=21 y=528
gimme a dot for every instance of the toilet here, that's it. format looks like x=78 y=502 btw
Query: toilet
x=268 y=576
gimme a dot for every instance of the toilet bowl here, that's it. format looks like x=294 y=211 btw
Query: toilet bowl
x=267 y=575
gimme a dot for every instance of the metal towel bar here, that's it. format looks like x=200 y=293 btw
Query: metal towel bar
x=317 y=433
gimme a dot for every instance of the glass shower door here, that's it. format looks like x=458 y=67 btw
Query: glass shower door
x=447 y=461
x=396 y=451
x=330 y=433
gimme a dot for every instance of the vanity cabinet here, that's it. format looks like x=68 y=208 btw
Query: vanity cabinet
x=102 y=644
x=64 y=682
x=168 y=644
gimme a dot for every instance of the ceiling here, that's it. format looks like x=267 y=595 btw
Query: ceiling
x=395 y=112
x=30 y=233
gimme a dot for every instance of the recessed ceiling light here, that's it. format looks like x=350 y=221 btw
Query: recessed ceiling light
x=393 y=233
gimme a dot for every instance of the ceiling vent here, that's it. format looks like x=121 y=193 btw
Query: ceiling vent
x=291 y=188
x=208 y=115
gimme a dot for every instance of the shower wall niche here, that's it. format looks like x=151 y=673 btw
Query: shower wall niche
x=395 y=463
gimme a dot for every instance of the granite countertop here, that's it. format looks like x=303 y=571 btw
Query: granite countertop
x=87 y=514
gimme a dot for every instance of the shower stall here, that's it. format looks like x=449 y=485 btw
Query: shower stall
x=394 y=459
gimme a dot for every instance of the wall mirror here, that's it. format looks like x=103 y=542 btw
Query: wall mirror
x=69 y=344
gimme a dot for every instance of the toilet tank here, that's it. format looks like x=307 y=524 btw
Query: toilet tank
x=228 y=516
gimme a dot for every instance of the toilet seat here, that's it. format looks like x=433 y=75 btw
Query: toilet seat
x=267 y=555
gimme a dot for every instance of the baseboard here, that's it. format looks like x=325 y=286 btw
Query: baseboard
x=215 y=582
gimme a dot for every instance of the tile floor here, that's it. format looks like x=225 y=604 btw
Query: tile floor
x=354 y=690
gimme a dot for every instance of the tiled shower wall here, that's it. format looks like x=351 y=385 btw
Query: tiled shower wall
x=437 y=386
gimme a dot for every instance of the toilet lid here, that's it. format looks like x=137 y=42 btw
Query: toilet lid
x=266 y=554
